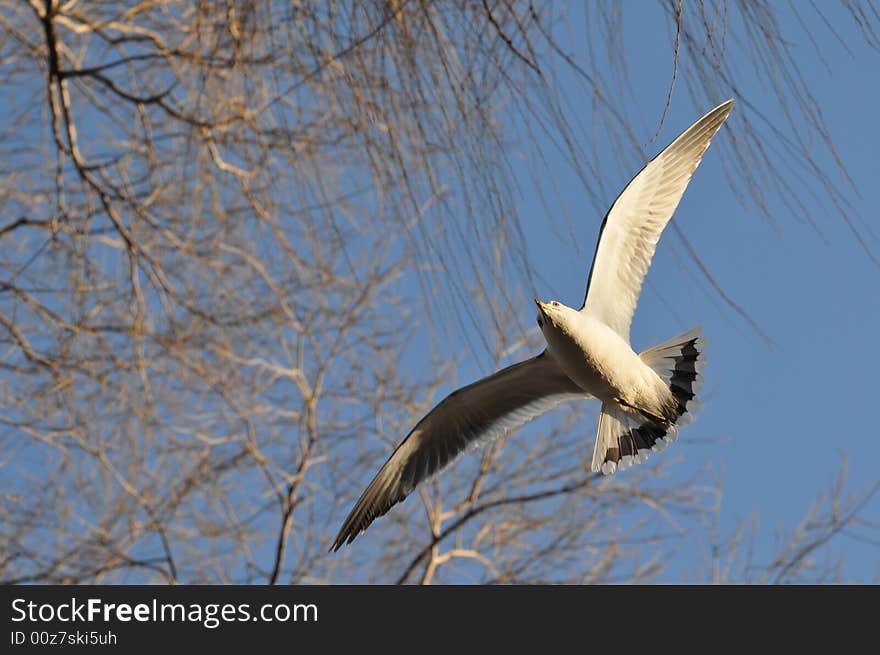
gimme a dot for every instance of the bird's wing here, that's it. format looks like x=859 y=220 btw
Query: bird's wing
x=632 y=226
x=469 y=416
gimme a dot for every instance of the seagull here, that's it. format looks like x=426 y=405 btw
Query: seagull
x=645 y=396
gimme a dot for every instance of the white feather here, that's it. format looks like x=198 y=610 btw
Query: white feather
x=635 y=221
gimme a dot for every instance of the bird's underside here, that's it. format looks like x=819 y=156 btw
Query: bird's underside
x=645 y=396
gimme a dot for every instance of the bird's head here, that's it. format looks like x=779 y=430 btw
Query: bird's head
x=551 y=313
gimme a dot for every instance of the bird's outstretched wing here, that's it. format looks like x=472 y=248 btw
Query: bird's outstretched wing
x=632 y=226
x=471 y=415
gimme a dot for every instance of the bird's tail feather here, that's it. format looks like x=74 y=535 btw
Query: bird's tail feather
x=679 y=362
x=625 y=437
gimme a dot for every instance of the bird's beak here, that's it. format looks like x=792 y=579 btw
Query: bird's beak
x=541 y=306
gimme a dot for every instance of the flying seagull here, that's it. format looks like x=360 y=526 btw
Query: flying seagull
x=645 y=396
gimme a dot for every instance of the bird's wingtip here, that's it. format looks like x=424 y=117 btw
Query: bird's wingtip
x=341 y=539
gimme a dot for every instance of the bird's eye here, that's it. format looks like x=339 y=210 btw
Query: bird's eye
x=555 y=303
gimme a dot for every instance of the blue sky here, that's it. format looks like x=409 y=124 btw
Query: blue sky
x=776 y=417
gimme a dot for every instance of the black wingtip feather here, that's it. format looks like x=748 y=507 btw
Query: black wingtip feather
x=384 y=492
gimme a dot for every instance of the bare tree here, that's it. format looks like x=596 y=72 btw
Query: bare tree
x=226 y=226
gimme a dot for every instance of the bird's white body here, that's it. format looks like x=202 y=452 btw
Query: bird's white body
x=600 y=361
